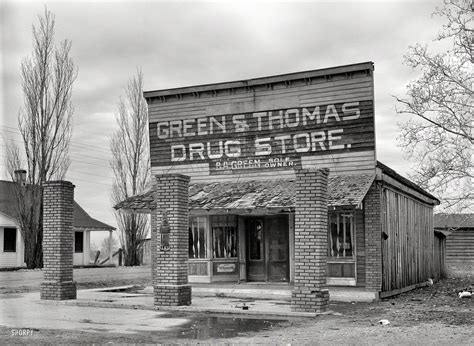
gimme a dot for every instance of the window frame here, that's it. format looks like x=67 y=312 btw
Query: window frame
x=351 y=215
x=230 y=222
x=205 y=223
x=15 y=238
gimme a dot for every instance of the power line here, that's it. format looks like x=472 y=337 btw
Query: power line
x=73 y=161
x=88 y=181
x=73 y=153
x=78 y=145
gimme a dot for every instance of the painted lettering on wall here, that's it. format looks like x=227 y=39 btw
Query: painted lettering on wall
x=257 y=140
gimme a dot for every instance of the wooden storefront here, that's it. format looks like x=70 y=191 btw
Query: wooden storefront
x=241 y=143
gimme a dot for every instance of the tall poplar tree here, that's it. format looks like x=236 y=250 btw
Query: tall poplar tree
x=45 y=124
x=131 y=166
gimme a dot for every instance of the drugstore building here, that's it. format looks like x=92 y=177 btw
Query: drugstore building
x=241 y=143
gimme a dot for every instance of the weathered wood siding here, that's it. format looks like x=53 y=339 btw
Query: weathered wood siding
x=460 y=252
x=352 y=153
x=408 y=252
x=439 y=267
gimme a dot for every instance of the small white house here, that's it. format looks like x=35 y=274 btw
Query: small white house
x=11 y=241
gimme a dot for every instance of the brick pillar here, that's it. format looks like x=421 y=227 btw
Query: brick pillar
x=373 y=239
x=58 y=240
x=170 y=234
x=154 y=243
x=311 y=232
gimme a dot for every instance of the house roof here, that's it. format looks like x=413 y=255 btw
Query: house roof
x=82 y=220
x=343 y=191
x=85 y=221
x=447 y=221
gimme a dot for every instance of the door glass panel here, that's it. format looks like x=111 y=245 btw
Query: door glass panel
x=256 y=240
x=277 y=233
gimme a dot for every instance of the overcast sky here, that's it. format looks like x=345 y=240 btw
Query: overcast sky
x=189 y=43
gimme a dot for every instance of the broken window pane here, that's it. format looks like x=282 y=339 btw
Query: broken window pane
x=197 y=237
x=224 y=236
x=341 y=235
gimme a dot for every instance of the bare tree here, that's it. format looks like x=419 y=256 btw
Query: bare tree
x=438 y=134
x=106 y=244
x=45 y=124
x=131 y=166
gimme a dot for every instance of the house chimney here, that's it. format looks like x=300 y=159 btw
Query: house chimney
x=20 y=176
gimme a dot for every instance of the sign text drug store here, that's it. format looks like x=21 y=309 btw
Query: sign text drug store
x=266 y=139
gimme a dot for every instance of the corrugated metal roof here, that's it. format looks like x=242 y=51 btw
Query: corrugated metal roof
x=343 y=190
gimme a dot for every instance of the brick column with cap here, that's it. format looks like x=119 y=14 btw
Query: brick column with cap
x=310 y=293
x=170 y=241
x=58 y=241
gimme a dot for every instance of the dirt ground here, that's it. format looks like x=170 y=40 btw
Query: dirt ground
x=432 y=315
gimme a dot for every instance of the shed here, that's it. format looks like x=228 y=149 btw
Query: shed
x=459 y=231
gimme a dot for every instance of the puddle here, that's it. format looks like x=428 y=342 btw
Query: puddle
x=244 y=300
x=209 y=327
x=127 y=289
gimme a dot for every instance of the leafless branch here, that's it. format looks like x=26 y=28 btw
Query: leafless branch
x=131 y=166
x=45 y=124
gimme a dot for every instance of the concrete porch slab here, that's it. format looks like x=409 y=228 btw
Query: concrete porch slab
x=143 y=300
x=279 y=291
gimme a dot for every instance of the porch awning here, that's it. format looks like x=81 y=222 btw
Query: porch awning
x=343 y=191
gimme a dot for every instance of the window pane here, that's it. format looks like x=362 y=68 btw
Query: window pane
x=9 y=240
x=224 y=236
x=341 y=235
x=78 y=241
x=255 y=241
x=197 y=237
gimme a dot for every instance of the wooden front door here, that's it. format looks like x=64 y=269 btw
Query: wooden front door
x=267 y=248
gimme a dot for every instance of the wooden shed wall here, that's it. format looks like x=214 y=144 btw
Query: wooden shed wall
x=460 y=252
x=356 y=86
x=439 y=267
x=408 y=252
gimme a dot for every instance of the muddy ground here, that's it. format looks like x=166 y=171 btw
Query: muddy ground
x=429 y=315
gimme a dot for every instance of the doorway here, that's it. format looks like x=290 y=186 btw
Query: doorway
x=267 y=248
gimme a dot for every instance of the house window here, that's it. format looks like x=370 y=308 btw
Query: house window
x=341 y=235
x=224 y=236
x=197 y=237
x=78 y=242
x=9 y=240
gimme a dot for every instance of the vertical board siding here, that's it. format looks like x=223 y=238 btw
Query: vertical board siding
x=439 y=270
x=408 y=252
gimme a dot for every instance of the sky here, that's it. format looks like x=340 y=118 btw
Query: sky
x=188 y=43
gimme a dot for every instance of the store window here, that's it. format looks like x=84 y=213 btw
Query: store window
x=224 y=236
x=341 y=235
x=9 y=240
x=197 y=237
x=78 y=242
